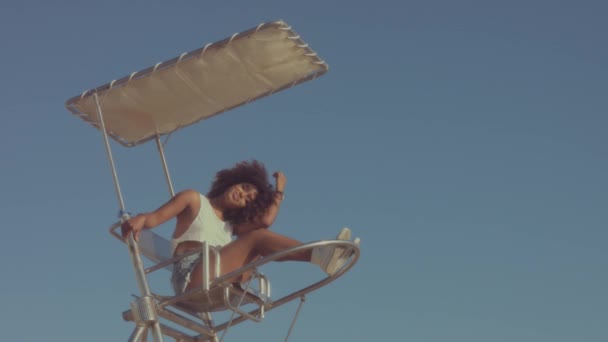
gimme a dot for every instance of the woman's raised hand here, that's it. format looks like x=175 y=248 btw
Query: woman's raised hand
x=280 y=181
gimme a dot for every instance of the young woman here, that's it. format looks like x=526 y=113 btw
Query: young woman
x=242 y=203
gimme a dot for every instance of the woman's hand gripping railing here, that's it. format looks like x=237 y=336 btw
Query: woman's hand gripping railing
x=160 y=261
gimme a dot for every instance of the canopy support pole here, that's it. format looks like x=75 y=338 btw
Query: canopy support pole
x=143 y=308
x=102 y=128
x=161 y=152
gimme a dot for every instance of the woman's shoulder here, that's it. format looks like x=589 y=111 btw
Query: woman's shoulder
x=189 y=192
x=190 y=196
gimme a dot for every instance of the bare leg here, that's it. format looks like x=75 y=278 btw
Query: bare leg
x=246 y=248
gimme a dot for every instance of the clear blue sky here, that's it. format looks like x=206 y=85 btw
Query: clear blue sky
x=464 y=142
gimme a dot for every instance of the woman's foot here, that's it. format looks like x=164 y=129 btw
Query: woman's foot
x=331 y=258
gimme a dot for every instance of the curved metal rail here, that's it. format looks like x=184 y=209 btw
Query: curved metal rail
x=225 y=279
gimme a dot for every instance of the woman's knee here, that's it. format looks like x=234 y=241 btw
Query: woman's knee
x=256 y=234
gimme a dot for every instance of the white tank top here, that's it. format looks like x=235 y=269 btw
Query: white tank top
x=205 y=227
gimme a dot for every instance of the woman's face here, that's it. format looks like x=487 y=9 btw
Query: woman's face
x=240 y=195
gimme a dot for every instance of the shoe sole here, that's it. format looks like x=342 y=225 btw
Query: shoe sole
x=338 y=253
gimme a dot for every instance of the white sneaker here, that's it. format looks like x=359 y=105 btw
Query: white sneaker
x=344 y=234
x=331 y=258
x=343 y=258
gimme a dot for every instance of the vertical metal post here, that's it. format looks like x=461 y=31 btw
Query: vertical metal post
x=137 y=334
x=208 y=320
x=102 y=125
x=140 y=274
x=161 y=152
x=205 y=265
x=216 y=254
x=142 y=282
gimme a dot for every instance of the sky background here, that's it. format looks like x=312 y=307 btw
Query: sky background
x=463 y=141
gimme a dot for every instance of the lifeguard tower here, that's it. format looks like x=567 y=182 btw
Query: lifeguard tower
x=153 y=103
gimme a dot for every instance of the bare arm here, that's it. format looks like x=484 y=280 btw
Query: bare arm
x=184 y=204
x=267 y=219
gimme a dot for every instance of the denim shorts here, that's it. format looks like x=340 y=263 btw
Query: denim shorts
x=182 y=269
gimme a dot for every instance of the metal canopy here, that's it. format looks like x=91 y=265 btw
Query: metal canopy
x=201 y=83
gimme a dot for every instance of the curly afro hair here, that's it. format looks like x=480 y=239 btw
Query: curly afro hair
x=252 y=172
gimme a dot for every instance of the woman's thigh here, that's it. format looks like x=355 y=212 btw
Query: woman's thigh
x=244 y=250
x=233 y=256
